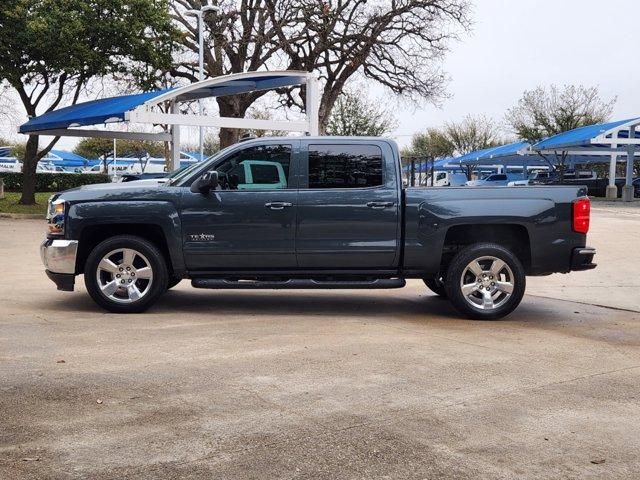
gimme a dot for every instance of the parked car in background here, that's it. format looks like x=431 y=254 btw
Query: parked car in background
x=620 y=182
x=134 y=177
x=596 y=187
x=536 y=178
x=493 y=180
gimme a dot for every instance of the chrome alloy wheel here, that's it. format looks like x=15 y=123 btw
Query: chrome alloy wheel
x=124 y=275
x=487 y=283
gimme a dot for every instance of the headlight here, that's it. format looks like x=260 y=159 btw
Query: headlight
x=55 y=216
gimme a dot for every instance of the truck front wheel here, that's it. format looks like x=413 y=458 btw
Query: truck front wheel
x=125 y=274
x=485 y=281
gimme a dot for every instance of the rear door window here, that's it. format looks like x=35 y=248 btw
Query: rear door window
x=345 y=166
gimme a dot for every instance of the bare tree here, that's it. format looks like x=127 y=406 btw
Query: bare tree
x=544 y=112
x=398 y=44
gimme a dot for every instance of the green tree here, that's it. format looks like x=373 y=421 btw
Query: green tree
x=428 y=146
x=210 y=145
x=544 y=112
x=93 y=148
x=51 y=49
x=431 y=144
x=354 y=115
x=98 y=147
x=470 y=134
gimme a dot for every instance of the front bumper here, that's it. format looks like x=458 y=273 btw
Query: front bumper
x=582 y=258
x=59 y=259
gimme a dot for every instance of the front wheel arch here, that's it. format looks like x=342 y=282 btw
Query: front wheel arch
x=91 y=235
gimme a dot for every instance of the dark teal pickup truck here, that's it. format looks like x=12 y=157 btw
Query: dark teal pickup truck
x=312 y=212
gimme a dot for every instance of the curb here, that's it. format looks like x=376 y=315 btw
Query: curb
x=22 y=216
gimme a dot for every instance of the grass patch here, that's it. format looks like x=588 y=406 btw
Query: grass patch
x=9 y=204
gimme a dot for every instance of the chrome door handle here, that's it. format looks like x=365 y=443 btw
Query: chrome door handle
x=278 y=205
x=380 y=205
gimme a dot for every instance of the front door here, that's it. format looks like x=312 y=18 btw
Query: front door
x=248 y=223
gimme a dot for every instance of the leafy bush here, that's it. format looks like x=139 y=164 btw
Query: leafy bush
x=52 y=182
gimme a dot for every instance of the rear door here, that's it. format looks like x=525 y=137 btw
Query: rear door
x=249 y=222
x=348 y=206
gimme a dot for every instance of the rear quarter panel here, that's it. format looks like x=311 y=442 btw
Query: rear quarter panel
x=545 y=213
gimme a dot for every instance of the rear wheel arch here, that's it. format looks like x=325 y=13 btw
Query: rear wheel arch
x=512 y=236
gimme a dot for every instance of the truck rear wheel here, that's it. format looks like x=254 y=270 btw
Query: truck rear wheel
x=125 y=274
x=485 y=281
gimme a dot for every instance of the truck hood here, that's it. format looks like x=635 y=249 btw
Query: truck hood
x=139 y=189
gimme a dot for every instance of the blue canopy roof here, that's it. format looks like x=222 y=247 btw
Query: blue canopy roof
x=114 y=109
x=579 y=137
x=195 y=156
x=67 y=156
x=474 y=156
x=95 y=112
x=507 y=150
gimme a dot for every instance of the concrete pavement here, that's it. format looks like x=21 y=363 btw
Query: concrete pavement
x=615 y=233
x=295 y=384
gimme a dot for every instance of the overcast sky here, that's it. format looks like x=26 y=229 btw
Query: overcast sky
x=516 y=45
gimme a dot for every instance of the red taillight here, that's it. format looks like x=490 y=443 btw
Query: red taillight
x=581 y=215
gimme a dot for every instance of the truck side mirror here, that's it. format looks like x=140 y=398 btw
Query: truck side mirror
x=207 y=182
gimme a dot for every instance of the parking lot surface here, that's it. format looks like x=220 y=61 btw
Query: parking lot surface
x=327 y=384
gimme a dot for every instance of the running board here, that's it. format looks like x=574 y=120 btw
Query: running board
x=307 y=284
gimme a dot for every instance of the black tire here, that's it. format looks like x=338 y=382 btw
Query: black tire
x=436 y=285
x=476 y=305
x=173 y=281
x=151 y=257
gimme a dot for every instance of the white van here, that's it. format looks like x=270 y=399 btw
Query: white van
x=447 y=179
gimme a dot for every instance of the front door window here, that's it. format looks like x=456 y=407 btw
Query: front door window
x=263 y=167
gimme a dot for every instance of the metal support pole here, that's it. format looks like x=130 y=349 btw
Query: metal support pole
x=199 y=14
x=175 y=140
x=627 y=190
x=312 y=105
x=612 y=190
x=412 y=181
x=201 y=77
x=115 y=162
x=1 y=188
x=433 y=166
